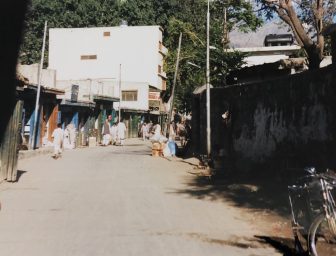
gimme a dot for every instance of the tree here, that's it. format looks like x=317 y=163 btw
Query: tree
x=190 y=19
x=307 y=19
x=62 y=14
x=174 y=16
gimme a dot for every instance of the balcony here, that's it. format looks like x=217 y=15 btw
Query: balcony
x=162 y=49
x=163 y=75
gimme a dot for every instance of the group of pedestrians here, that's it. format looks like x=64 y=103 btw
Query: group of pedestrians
x=146 y=130
x=63 y=139
x=155 y=134
x=150 y=131
x=114 y=134
x=180 y=126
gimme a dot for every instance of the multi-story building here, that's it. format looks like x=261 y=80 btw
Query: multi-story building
x=106 y=63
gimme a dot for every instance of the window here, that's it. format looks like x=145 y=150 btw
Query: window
x=129 y=95
x=164 y=84
x=88 y=57
x=107 y=33
x=159 y=69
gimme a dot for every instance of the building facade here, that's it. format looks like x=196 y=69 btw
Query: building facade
x=124 y=62
x=48 y=109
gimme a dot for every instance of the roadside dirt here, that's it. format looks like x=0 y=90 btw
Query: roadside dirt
x=261 y=198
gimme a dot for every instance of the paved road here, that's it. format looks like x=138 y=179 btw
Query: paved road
x=116 y=201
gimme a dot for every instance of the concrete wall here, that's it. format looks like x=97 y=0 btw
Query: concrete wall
x=143 y=91
x=105 y=87
x=285 y=122
x=48 y=78
x=88 y=88
x=135 y=48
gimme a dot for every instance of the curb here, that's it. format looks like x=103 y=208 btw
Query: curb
x=24 y=154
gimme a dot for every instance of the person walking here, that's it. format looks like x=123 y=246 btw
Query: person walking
x=172 y=132
x=57 y=136
x=106 y=133
x=114 y=131
x=121 y=132
x=172 y=147
x=144 y=131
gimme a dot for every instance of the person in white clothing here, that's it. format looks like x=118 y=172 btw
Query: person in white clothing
x=121 y=132
x=66 y=138
x=144 y=131
x=106 y=133
x=114 y=130
x=58 y=135
x=157 y=130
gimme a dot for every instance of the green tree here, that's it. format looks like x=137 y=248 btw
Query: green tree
x=63 y=14
x=190 y=19
x=136 y=12
x=174 y=16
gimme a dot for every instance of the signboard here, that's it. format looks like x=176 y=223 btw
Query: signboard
x=154 y=106
x=154 y=96
x=74 y=92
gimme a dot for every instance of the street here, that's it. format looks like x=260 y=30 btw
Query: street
x=119 y=201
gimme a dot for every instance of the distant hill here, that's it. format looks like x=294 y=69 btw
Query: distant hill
x=254 y=39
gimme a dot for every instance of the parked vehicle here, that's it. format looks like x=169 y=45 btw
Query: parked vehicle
x=313 y=211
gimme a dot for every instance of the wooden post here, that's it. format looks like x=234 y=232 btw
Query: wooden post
x=16 y=131
x=53 y=120
x=9 y=145
x=100 y=124
x=5 y=146
x=43 y=123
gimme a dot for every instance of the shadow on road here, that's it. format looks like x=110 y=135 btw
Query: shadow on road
x=258 y=191
x=19 y=174
x=134 y=145
x=128 y=152
x=282 y=245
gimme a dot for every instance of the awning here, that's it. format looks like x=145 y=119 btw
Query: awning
x=88 y=104
x=134 y=110
x=97 y=97
x=45 y=89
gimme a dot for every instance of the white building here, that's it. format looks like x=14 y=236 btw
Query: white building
x=101 y=59
x=266 y=54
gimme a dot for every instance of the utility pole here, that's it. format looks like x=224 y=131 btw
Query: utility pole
x=33 y=141
x=225 y=39
x=120 y=96
x=208 y=130
x=174 y=82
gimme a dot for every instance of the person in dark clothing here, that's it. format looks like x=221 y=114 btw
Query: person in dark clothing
x=177 y=118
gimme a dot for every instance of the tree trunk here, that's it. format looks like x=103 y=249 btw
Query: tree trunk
x=314 y=57
x=314 y=50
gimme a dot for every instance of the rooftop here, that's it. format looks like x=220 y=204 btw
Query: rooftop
x=268 y=50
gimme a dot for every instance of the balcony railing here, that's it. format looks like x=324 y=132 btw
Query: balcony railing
x=162 y=49
x=90 y=89
x=163 y=75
